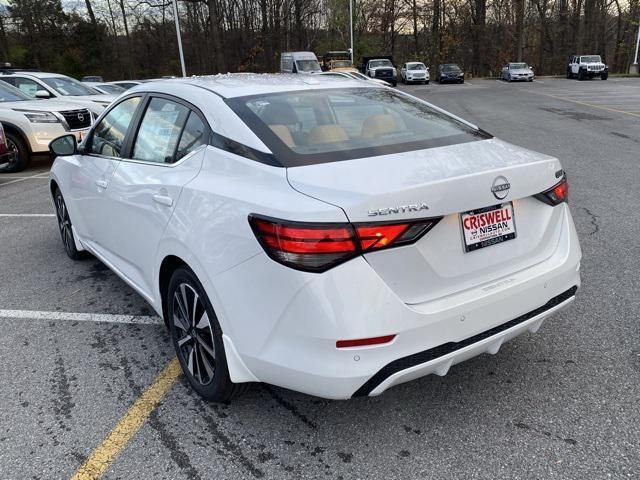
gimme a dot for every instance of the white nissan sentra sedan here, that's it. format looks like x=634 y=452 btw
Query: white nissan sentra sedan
x=319 y=234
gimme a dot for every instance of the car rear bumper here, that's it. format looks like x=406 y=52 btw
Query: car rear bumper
x=286 y=335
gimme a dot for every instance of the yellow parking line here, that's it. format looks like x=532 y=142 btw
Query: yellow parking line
x=585 y=103
x=100 y=459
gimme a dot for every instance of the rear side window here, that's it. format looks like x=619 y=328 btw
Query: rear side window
x=193 y=136
x=159 y=131
x=109 y=134
x=319 y=126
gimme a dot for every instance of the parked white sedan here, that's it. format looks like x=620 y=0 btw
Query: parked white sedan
x=328 y=236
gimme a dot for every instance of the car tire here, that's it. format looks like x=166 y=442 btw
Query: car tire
x=604 y=76
x=197 y=339
x=580 y=74
x=461 y=81
x=394 y=83
x=22 y=157
x=66 y=227
x=426 y=82
x=509 y=79
x=569 y=75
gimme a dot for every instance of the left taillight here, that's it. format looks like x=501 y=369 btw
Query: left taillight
x=317 y=247
x=555 y=195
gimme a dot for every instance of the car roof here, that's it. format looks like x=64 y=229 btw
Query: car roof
x=233 y=85
x=29 y=73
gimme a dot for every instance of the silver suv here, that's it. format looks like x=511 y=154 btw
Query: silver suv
x=30 y=125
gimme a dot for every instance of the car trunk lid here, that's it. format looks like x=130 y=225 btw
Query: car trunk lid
x=443 y=182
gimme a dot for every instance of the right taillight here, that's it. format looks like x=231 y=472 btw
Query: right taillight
x=555 y=195
x=316 y=247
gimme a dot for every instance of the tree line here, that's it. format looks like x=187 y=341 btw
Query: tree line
x=131 y=39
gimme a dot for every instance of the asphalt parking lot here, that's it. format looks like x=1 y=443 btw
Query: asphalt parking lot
x=79 y=347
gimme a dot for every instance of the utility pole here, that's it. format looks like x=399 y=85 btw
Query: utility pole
x=633 y=69
x=175 y=16
x=351 y=28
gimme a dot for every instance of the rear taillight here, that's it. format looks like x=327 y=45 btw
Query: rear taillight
x=3 y=141
x=316 y=247
x=555 y=195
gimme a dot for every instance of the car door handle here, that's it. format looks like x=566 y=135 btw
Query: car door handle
x=102 y=183
x=163 y=200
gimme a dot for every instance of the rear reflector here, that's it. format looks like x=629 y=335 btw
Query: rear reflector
x=555 y=195
x=363 y=342
x=316 y=247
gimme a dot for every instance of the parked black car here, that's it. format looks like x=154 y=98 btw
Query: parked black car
x=449 y=73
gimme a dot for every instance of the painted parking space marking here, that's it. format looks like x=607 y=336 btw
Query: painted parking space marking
x=27 y=214
x=80 y=317
x=22 y=179
x=101 y=458
x=615 y=110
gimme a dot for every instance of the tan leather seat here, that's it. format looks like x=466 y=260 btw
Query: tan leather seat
x=284 y=134
x=381 y=124
x=327 y=134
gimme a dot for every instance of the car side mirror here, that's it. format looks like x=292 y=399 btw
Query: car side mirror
x=63 y=146
x=42 y=94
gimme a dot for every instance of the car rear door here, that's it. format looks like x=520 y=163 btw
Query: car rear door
x=163 y=155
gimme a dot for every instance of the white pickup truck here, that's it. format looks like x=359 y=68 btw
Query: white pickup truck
x=587 y=66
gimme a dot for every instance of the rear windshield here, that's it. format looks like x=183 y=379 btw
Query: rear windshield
x=319 y=126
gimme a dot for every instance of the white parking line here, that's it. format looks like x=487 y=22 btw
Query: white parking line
x=27 y=214
x=22 y=179
x=81 y=317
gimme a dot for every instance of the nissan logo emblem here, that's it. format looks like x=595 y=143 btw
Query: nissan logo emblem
x=81 y=117
x=500 y=187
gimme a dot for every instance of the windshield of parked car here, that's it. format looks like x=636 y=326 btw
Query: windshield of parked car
x=69 y=86
x=590 y=59
x=307 y=65
x=340 y=64
x=416 y=66
x=518 y=66
x=316 y=126
x=380 y=63
x=451 y=67
x=9 y=93
x=111 y=88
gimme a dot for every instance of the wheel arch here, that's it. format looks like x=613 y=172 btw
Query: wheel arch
x=238 y=371
x=12 y=128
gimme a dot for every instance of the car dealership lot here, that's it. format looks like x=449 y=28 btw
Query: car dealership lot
x=561 y=403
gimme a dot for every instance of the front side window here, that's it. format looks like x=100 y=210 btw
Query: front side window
x=316 y=126
x=69 y=86
x=108 y=136
x=27 y=86
x=159 y=131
